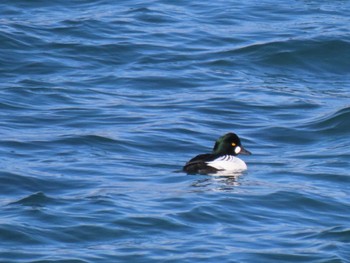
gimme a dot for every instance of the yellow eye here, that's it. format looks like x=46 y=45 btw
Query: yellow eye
x=233 y=144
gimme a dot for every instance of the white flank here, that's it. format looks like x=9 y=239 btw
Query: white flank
x=228 y=163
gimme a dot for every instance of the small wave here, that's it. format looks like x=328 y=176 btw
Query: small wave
x=327 y=55
x=11 y=233
x=336 y=233
x=142 y=222
x=12 y=106
x=148 y=15
x=46 y=143
x=10 y=40
x=84 y=139
x=36 y=199
x=14 y=183
x=336 y=123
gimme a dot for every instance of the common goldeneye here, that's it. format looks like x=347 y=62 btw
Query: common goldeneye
x=222 y=158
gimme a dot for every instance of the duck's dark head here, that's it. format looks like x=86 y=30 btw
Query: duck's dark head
x=229 y=144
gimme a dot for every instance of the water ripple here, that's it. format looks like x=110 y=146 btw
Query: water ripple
x=334 y=123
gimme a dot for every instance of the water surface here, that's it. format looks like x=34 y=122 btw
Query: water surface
x=102 y=103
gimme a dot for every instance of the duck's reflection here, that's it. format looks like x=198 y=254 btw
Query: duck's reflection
x=217 y=183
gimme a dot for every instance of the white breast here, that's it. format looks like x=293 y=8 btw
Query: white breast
x=228 y=163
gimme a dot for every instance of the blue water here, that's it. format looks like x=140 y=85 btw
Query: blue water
x=102 y=102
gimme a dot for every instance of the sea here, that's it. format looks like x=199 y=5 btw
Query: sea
x=103 y=102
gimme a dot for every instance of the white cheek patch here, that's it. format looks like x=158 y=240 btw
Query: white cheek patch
x=237 y=150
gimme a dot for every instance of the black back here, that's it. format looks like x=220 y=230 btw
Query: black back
x=197 y=165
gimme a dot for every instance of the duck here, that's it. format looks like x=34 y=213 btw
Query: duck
x=222 y=159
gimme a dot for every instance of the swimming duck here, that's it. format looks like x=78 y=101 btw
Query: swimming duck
x=222 y=158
